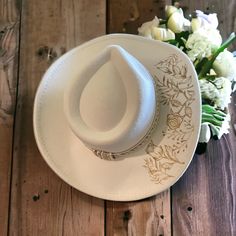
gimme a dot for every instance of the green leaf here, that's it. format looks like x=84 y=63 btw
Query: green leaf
x=200 y=64
x=183 y=34
x=212 y=116
x=172 y=42
x=206 y=108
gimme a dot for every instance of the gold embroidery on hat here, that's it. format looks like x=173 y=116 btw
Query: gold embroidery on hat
x=176 y=90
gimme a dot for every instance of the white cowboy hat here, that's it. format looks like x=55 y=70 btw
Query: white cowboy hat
x=132 y=101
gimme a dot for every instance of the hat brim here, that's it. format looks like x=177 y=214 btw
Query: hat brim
x=144 y=172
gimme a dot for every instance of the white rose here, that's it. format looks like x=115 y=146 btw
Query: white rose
x=225 y=65
x=177 y=23
x=203 y=43
x=162 y=34
x=146 y=28
x=218 y=91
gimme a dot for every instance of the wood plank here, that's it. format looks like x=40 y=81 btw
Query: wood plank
x=203 y=201
x=9 y=38
x=41 y=203
x=204 y=198
x=127 y=15
x=150 y=216
x=147 y=217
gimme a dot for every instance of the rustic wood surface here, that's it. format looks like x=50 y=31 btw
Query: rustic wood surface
x=33 y=200
x=9 y=32
x=125 y=16
x=147 y=217
x=204 y=200
x=41 y=203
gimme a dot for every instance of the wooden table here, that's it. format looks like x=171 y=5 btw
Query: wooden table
x=33 y=200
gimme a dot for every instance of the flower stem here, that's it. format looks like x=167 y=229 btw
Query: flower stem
x=208 y=65
x=162 y=22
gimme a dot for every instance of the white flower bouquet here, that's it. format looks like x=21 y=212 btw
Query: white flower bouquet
x=200 y=39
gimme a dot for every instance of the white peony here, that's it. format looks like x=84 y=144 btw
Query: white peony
x=218 y=91
x=177 y=23
x=208 y=21
x=162 y=34
x=225 y=65
x=146 y=28
x=204 y=21
x=170 y=10
x=203 y=43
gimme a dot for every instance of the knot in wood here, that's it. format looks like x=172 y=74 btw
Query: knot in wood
x=127 y=215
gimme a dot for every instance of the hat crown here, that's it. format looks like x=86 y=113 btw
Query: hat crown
x=111 y=104
x=108 y=95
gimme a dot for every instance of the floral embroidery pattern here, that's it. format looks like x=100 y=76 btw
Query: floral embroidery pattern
x=176 y=91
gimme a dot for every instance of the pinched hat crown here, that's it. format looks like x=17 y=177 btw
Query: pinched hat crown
x=111 y=104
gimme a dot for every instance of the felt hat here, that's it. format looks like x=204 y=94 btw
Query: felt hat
x=119 y=116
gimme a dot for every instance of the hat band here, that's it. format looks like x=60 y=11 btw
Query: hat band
x=113 y=155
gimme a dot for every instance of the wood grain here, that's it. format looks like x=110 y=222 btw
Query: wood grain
x=147 y=217
x=151 y=216
x=41 y=203
x=127 y=15
x=9 y=38
x=203 y=201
